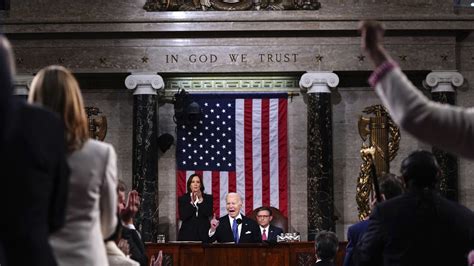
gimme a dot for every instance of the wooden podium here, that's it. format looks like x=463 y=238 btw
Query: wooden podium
x=198 y=254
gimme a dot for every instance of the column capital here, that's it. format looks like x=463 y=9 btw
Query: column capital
x=144 y=83
x=318 y=82
x=443 y=81
x=22 y=84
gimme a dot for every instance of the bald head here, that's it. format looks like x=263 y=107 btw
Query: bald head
x=233 y=204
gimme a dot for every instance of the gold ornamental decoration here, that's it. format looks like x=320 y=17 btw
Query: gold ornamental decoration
x=97 y=123
x=381 y=137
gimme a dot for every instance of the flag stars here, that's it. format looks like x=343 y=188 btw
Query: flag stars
x=218 y=140
x=223 y=134
x=217 y=105
x=206 y=104
x=229 y=164
x=229 y=141
x=229 y=116
x=212 y=134
x=200 y=146
x=229 y=105
x=206 y=116
x=183 y=150
x=189 y=133
x=183 y=127
x=195 y=139
x=212 y=110
x=212 y=146
x=218 y=152
x=212 y=158
x=223 y=122
x=223 y=158
x=223 y=110
x=195 y=163
x=218 y=128
x=195 y=127
x=189 y=157
x=212 y=122
x=184 y=139
x=206 y=140
x=195 y=151
x=229 y=129
x=200 y=134
x=206 y=163
x=218 y=164
x=189 y=144
x=200 y=158
x=184 y=162
x=223 y=146
x=218 y=116
x=206 y=152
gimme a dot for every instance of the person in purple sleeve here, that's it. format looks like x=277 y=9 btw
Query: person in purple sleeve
x=448 y=127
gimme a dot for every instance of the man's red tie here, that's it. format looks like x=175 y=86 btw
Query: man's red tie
x=264 y=235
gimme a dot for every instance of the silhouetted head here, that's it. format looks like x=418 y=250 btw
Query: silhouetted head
x=420 y=170
x=326 y=245
x=390 y=186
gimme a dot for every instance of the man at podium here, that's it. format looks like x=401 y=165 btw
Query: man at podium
x=234 y=227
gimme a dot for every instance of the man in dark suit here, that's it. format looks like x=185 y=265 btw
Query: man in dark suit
x=268 y=232
x=234 y=227
x=128 y=208
x=390 y=187
x=35 y=174
x=419 y=227
x=326 y=245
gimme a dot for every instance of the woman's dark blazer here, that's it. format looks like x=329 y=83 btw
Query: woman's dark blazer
x=194 y=228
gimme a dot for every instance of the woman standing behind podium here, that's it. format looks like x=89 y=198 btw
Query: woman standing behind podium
x=92 y=200
x=195 y=209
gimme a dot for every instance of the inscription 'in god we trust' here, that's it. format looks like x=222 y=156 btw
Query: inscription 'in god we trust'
x=232 y=58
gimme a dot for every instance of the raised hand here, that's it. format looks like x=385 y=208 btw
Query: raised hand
x=214 y=223
x=131 y=209
x=158 y=260
x=372 y=33
x=124 y=246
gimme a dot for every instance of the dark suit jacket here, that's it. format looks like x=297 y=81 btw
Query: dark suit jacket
x=250 y=232
x=194 y=228
x=34 y=179
x=274 y=231
x=325 y=263
x=417 y=228
x=354 y=234
x=137 y=248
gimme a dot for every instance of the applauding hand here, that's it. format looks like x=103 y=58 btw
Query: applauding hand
x=131 y=209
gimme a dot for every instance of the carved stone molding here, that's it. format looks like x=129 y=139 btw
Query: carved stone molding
x=144 y=83
x=444 y=81
x=318 y=82
x=22 y=85
x=230 y=5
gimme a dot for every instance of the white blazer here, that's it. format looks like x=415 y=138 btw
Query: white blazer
x=91 y=207
x=448 y=127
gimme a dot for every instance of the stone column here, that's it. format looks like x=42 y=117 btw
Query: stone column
x=145 y=149
x=442 y=85
x=320 y=166
x=22 y=86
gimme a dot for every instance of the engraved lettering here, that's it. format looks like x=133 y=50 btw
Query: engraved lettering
x=173 y=58
x=203 y=58
x=235 y=57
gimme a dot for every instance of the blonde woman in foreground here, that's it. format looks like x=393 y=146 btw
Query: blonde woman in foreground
x=92 y=200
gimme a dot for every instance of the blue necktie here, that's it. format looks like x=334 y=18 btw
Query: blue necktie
x=235 y=231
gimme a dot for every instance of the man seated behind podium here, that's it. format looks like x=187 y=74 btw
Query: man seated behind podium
x=234 y=227
x=268 y=232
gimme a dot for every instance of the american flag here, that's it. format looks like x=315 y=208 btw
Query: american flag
x=239 y=145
